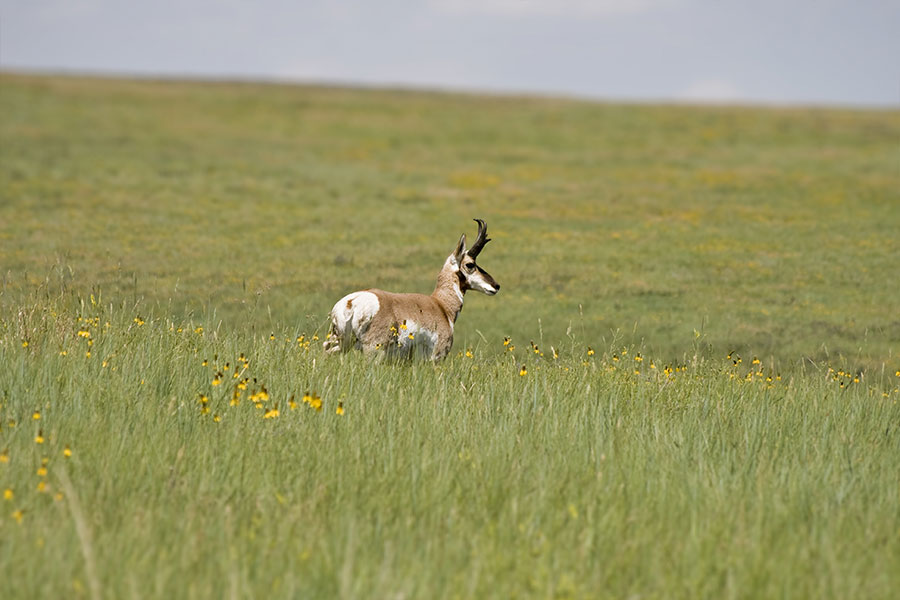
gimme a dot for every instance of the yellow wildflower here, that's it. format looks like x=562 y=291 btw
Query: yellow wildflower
x=67 y=452
x=42 y=472
x=271 y=413
x=340 y=408
x=39 y=438
x=36 y=415
x=523 y=371
x=8 y=494
x=18 y=515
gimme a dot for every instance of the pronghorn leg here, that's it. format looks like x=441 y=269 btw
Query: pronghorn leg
x=332 y=341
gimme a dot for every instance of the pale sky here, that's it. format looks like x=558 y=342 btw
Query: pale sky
x=840 y=52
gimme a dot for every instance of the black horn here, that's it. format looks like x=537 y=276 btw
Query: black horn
x=481 y=240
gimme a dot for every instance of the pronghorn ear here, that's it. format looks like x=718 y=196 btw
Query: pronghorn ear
x=460 y=249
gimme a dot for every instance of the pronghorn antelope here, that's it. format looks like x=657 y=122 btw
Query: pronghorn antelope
x=407 y=324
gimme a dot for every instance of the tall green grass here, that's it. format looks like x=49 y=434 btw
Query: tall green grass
x=590 y=475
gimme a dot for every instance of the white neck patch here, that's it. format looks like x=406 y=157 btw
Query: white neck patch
x=458 y=291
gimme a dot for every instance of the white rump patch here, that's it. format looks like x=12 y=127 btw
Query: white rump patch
x=351 y=317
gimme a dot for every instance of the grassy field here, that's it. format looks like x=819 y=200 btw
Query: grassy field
x=771 y=231
x=698 y=398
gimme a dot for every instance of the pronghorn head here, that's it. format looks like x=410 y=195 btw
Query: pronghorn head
x=471 y=276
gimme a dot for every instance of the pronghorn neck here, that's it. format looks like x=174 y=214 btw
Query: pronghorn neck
x=449 y=290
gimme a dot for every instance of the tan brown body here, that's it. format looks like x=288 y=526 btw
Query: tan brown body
x=411 y=324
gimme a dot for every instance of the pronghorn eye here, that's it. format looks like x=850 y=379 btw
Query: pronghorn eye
x=470 y=267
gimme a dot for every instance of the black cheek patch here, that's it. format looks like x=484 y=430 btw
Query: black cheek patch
x=463 y=285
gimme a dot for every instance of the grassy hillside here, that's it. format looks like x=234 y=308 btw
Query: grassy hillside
x=771 y=231
x=698 y=399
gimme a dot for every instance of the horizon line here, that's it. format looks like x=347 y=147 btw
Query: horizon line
x=440 y=89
